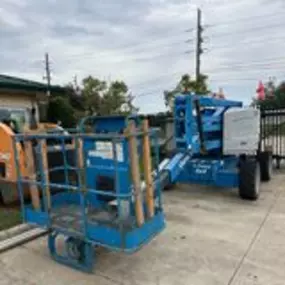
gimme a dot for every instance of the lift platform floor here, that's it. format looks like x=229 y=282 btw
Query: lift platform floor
x=70 y=218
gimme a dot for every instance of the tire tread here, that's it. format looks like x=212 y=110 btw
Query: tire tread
x=247 y=179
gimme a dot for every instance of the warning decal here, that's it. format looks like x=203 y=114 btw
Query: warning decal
x=104 y=150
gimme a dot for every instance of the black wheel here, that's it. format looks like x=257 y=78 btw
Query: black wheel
x=74 y=248
x=249 y=179
x=169 y=187
x=165 y=181
x=266 y=165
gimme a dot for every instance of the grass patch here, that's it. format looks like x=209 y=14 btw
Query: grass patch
x=9 y=218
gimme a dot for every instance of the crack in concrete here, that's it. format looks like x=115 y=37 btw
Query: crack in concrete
x=253 y=240
x=9 y=277
x=110 y=279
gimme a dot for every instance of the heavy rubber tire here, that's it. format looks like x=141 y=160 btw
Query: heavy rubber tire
x=74 y=248
x=249 y=179
x=169 y=187
x=266 y=165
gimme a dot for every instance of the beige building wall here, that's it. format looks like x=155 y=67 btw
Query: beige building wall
x=16 y=100
x=19 y=102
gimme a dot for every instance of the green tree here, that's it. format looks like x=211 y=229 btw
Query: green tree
x=66 y=107
x=92 y=91
x=186 y=85
x=94 y=97
x=60 y=109
x=73 y=93
x=101 y=98
x=114 y=98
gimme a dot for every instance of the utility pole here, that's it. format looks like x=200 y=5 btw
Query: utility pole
x=76 y=86
x=199 y=42
x=75 y=81
x=47 y=76
x=130 y=99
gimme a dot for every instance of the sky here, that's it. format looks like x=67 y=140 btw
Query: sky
x=147 y=43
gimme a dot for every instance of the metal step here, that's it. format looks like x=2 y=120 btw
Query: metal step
x=21 y=239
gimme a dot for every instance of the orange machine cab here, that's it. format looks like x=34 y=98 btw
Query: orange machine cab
x=8 y=175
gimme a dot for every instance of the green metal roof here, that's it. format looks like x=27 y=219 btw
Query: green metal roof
x=16 y=83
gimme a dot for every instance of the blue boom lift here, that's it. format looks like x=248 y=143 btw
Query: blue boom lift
x=107 y=204
x=218 y=143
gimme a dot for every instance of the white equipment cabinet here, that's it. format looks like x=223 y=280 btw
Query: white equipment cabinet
x=241 y=132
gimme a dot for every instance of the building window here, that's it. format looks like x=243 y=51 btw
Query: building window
x=19 y=116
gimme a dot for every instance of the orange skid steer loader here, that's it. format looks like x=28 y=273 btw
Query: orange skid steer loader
x=8 y=175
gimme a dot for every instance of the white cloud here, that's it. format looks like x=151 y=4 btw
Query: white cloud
x=10 y=19
x=143 y=42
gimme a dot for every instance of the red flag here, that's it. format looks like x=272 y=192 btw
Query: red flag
x=260 y=91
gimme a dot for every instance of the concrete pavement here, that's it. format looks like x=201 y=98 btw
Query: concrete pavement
x=212 y=238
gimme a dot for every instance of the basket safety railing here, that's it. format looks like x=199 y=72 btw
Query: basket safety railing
x=136 y=145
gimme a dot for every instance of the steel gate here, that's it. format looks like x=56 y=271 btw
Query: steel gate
x=273 y=132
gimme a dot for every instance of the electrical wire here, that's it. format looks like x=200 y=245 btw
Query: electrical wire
x=245 y=69
x=161 y=88
x=262 y=28
x=156 y=79
x=159 y=91
x=224 y=80
x=179 y=53
x=236 y=66
x=153 y=92
x=138 y=59
x=131 y=47
x=211 y=79
x=270 y=59
x=249 y=18
x=246 y=43
x=252 y=76
x=157 y=44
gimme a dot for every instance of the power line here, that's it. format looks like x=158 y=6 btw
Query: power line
x=133 y=57
x=190 y=30
x=151 y=44
x=250 y=18
x=131 y=47
x=161 y=88
x=141 y=59
x=158 y=91
x=179 y=53
x=252 y=77
x=256 y=74
x=261 y=65
x=264 y=60
x=219 y=5
x=251 y=41
x=245 y=72
x=235 y=79
x=157 y=78
x=233 y=33
x=235 y=66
